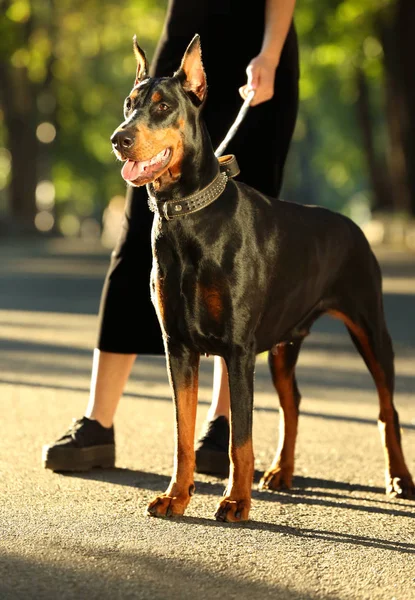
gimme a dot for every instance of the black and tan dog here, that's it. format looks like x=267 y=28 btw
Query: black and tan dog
x=236 y=273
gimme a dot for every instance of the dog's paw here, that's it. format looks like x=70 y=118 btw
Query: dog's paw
x=400 y=487
x=166 y=506
x=276 y=479
x=233 y=511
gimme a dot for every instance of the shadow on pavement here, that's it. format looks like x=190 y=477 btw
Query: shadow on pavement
x=325 y=536
x=303 y=413
x=80 y=571
x=301 y=493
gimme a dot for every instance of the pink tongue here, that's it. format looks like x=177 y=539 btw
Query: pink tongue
x=131 y=170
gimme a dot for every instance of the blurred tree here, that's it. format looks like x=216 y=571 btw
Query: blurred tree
x=18 y=94
x=357 y=91
x=396 y=26
x=65 y=68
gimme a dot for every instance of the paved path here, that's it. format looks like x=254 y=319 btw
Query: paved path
x=335 y=536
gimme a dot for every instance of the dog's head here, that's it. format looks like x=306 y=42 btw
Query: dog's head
x=160 y=113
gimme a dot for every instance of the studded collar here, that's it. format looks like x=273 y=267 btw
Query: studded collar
x=173 y=209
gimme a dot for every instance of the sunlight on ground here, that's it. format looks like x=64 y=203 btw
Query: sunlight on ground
x=398 y=285
x=54 y=350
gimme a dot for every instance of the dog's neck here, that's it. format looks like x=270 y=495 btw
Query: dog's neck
x=198 y=169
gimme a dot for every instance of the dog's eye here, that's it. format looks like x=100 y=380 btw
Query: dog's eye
x=127 y=104
x=162 y=107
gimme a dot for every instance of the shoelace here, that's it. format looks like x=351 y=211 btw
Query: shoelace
x=73 y=429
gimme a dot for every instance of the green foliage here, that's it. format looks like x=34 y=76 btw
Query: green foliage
x=336 y=37
x=77 y=54
x=93 y=72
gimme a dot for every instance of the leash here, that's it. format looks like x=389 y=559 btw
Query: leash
x=240 y=117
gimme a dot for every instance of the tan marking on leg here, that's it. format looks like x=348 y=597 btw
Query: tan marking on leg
x=395 y=466
x=237 y=499
x=177 y=496
x=280 y=473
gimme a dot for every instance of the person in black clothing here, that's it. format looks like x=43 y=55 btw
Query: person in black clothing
x=241 y=42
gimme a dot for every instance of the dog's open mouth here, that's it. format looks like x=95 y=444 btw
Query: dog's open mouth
x=140 y=172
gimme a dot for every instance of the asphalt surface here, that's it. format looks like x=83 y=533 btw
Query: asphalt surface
x=334 y=536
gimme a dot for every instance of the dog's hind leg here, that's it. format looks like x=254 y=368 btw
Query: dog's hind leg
x=282 y=365
x=371 y=338
x=237 y=496
x=183 y=370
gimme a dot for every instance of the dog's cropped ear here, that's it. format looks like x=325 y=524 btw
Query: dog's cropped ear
x=142 y=64
x=191 y=72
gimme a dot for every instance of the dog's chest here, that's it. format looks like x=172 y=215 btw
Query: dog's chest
x=192 y=300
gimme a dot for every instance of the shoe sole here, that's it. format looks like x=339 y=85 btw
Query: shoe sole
x=211 y=462
x=78 y=459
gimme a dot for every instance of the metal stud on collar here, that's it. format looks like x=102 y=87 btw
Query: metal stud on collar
x=192 y=203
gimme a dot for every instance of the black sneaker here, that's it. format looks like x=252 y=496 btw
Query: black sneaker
x=85 y=445
x=212 y=448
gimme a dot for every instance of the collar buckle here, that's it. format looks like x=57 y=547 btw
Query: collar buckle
x=165 y=210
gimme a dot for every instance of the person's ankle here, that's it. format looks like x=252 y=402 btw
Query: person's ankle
x=215 y=415
x=104 y=422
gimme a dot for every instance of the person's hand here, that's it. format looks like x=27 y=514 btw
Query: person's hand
x=261 y=77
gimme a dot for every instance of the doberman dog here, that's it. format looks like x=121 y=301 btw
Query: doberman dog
x=236 y=273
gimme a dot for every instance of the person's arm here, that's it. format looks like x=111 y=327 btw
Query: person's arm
x=261 y=69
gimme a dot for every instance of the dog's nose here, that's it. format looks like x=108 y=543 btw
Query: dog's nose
x=122 y=140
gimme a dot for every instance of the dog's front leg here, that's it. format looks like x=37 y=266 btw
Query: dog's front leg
x=237 y=498
x=183 y=370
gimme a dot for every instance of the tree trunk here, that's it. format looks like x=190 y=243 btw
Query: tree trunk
x=378 y=174
x=405 y=36
x=18 y=95
x=23 y=149
x=398 y=41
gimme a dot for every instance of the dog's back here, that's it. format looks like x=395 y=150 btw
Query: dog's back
x=272 y=266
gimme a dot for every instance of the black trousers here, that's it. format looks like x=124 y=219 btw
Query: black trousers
x=127 y=319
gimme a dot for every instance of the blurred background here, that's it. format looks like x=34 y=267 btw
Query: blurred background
x=66 y=67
